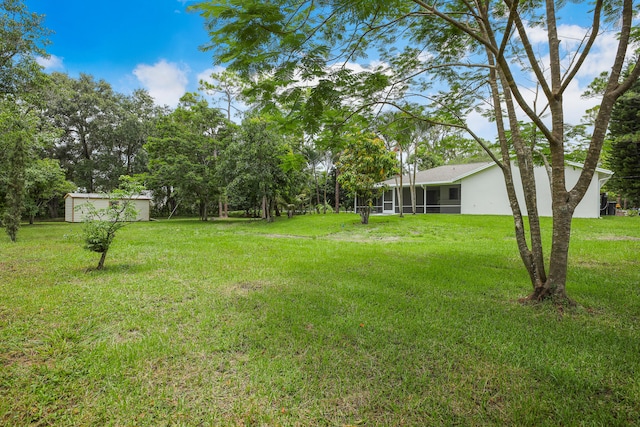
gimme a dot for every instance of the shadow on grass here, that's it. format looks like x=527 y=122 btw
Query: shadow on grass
x=112 y=269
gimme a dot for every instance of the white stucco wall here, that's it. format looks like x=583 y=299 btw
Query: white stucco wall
x=143 y=207
x=75 y=213
x=485 y=193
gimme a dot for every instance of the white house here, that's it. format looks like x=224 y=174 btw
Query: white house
x=479 y=188
x=74 y=213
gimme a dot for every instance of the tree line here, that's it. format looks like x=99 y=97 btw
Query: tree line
x=63 y=134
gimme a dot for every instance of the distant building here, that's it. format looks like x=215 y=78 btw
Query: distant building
x=72 y=201
x=479 y=188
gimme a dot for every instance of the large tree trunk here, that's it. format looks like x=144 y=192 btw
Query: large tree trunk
x=204 y=215
x=555 y=286
x=336 y=208
x=400 y=190
x=325 y=203
x=315 y=178
x=263 y=207
x=223 y=208
x=364 y=214
x=412 y=183
x=534 y=268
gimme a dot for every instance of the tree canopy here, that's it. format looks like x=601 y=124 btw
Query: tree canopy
x=365 y=163
x=183 y=155
x=623 y=157
x=22 y=39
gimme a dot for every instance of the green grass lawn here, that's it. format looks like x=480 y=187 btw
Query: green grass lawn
x=316 y=321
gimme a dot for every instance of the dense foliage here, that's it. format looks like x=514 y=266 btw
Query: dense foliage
x=623 y=156
x=363 y=165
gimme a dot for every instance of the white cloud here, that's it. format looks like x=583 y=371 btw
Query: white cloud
x=602 y=55
x=51 y=63
x=206 y=74
x=600 y=58
x=165 y=81
x=570 y=35
x=183 y=3
x=572 y=38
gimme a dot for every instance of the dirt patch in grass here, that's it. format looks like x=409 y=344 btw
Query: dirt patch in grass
x=614 y=238
x=359 y=238
x=130 y=335
x=6 y=266
x=351 y=403
x=246 y=288
x=200 y=385
x=28 y=357
x=286 y=236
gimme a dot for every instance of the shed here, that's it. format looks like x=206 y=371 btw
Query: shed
x=479 y=188
x=72 y=201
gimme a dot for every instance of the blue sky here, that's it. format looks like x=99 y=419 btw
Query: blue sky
x=151 y=44
x=154 y=44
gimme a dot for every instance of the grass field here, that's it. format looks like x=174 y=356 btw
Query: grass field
x=316 y=321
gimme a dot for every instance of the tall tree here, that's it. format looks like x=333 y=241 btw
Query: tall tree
x=419 y=144
x=122 y=139
x=17 y=135
x=226 y=88
x=183 y=154
x=623 y=158
x=363 y=165
x=22 y=39
x=254 y=160
x=314 y=158
x=44 y=181
x=86 y=111
x=456 y=56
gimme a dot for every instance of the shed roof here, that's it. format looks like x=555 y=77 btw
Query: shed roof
x=102 y=196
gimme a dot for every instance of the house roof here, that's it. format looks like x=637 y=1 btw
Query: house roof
x=606 y=172
x=446 y=174
x=102 y=196
x=449 y=174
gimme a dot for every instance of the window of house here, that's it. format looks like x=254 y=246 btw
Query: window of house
x=454 y=193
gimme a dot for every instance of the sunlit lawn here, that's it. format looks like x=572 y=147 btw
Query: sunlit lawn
x=316 y=320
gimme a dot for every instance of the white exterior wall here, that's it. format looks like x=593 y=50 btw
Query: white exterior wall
x=75 y=213
x=485 y=193
x=589 y=206
x=68 y=209
x=79 y=212
x=143 y=207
